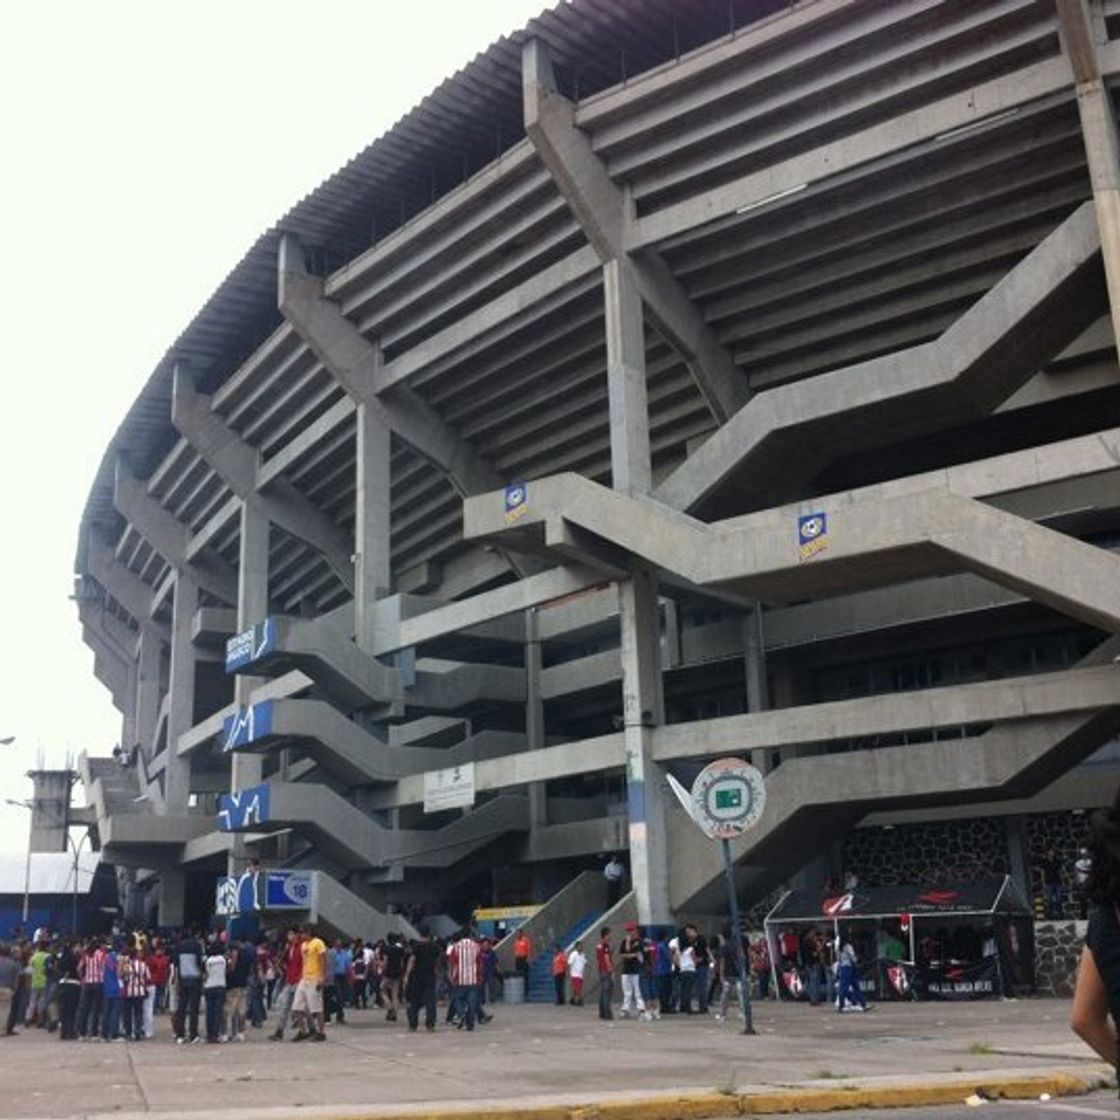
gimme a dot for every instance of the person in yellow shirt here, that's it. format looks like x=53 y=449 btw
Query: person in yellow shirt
x=307 y=1005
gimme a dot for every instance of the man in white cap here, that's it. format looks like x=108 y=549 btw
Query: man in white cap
x=630 y=954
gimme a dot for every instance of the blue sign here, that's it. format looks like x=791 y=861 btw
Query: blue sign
x=812 y=534
x=288 y=890
x=250 y=645
x=516 y=501
x=243 y=809
x=247 y=725
x=262 y=890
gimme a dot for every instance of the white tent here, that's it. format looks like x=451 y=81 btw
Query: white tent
x=50 y=872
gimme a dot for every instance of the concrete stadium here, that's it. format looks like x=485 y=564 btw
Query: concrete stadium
x=681 y=378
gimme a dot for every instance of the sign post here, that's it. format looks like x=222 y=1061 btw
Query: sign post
x=727 y=800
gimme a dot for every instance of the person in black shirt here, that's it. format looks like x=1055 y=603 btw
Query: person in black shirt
x=420 y=980
x=69 y=990
x=187 y=961
x=1096 y=999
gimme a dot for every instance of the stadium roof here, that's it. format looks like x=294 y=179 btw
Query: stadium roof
x=461 y=127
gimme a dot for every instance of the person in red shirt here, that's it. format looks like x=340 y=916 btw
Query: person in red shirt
x=159 y=965
x=559 y=973
x=291 y=966
x=604 y=958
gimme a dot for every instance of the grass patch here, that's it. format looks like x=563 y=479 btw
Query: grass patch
x=979 y=1048
x=828 y=1075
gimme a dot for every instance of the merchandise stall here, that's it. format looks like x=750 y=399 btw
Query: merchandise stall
x=952 y=941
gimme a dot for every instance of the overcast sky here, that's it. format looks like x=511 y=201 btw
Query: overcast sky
x=146 y=146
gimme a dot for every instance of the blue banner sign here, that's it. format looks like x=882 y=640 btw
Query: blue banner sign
x=247 y=725
x=250 y=645
x=243 y=809
x=262 y=890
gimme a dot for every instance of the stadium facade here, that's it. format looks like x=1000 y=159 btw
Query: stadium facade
x=682 y=378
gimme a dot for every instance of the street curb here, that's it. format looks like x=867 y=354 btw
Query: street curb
x=710 y=1106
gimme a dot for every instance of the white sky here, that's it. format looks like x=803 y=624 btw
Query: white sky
x=146 y=145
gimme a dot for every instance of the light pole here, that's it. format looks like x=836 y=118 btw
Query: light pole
x=27 y=865
x=76 y=849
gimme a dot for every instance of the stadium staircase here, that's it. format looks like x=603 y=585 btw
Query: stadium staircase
x=541 y=987
x=354 y=840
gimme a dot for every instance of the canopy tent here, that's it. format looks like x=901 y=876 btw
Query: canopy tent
x=964 y=940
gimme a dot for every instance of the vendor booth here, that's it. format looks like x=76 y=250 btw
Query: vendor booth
x=952 y=941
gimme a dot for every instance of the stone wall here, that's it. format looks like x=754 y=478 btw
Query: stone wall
x=1057 y=950
x=1065 y=833
x=935 y=852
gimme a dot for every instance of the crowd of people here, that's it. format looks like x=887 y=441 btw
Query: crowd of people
x=215 y=988
x=660 y=972
x=294 y=985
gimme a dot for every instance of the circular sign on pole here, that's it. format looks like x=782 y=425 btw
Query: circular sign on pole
x=728 y=797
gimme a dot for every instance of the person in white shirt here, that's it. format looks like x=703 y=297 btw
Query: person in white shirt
x=214 y=990
x=613 y=872
x=577 y=965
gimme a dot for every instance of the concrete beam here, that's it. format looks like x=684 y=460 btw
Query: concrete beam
x=236 y=462
x=1098 y=127
x=123 y=584
x=169 y=536
x=393 y=633
x=604 y=213
x=357 y=366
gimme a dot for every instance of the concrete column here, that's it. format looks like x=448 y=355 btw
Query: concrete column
x=626 y=379
x=642 y=710
x=534 y=714
x=147 y=689
x=1081 y=33
x=172 y=896
x=758 y=688
x=373 y=575
x=252 y=605
x=50 y=809
x=180 y=715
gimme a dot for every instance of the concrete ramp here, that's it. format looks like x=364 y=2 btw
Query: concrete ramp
x=815 y=798
x=320 y=649
x=342 y=747
x=771 y=449
x=344 y=912
x=355 y=840
x=859 y=539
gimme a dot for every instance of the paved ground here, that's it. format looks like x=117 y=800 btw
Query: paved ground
x=1091 y=1107
x=532 y=1055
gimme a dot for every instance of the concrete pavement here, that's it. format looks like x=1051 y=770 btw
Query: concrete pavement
x=537 y=1062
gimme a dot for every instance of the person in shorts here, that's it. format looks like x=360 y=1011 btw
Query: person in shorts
x=307 y=1005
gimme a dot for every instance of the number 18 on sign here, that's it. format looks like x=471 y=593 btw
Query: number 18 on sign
x=727 y=800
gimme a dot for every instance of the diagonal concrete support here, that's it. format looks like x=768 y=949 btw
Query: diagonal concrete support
x=772 y=448
x=604 y=213
x=236 y=463
x=1082 y=31
x=357 y=365
x=168 y=536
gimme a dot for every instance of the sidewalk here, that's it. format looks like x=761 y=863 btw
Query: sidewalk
x=547 y=1063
